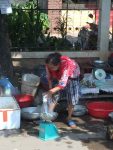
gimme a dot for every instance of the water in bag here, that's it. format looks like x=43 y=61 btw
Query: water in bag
x=47 y=114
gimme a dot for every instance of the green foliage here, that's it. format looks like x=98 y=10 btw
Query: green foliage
x=62 y=26
x=26 y=24
x=53 y=43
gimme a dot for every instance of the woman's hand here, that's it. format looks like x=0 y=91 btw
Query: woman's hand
x=47 y=95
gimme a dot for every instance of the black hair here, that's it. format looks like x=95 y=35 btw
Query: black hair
x=53 y=58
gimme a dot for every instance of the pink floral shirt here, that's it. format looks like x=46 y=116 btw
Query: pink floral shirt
x=68 y=68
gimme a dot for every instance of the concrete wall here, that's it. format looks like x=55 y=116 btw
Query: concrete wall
x=28 y=64
x=77 y=54
x=31 y=60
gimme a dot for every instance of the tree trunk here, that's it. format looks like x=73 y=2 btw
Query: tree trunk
x=5 y=54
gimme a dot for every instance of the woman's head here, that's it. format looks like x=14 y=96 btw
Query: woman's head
x=53 y=61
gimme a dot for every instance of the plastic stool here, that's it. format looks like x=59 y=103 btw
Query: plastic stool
x=48 y=131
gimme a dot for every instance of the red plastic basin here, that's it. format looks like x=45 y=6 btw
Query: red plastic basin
x=24 y=100
x=100 y=109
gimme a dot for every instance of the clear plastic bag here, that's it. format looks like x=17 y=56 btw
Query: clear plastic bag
x=46 y=113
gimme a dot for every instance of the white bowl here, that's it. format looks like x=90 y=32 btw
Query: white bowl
x=31 y=113
x=79 y=110
x=99 y=61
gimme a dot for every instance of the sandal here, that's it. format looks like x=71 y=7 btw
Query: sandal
x=71 y=124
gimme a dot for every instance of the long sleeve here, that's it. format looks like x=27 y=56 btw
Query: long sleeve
x=65 y=75
x=63 y=81
x=68 y=70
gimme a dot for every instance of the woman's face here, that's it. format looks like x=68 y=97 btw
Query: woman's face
x=53 y=67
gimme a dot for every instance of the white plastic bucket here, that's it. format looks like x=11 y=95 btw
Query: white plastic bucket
x=30 y=82
x=31 y=79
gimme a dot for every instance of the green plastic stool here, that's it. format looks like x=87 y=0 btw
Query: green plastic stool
x=48 y=131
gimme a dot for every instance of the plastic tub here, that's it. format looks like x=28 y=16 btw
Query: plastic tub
x=100 y=109
x=24 y=100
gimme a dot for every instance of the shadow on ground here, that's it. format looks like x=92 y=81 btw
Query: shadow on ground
x=90 y=131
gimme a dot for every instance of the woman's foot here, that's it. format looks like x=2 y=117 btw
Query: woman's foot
x=71 y=123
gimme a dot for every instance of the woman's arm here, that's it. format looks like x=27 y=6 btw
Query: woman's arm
x=54 y=90
x=50 y=83
x=48 y=78
x=62 y=83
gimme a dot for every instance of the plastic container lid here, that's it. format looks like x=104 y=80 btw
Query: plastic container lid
x=100 y=74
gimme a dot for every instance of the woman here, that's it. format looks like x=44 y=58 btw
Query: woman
x=66 y=71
